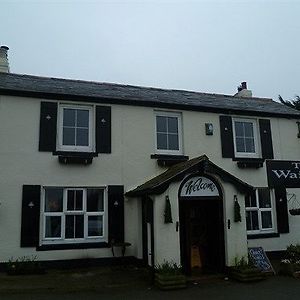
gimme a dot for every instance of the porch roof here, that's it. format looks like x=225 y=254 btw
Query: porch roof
x=201 y=164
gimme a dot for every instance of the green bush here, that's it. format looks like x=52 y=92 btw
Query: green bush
x=293 y=253
x=168 y=268
x=242 y=263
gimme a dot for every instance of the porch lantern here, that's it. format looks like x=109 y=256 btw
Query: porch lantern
x=168 y=211
x=237 y=210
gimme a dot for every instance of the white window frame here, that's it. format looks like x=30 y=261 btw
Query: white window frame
x=179 y=119
x=260 y=210
x=257 y=152
x=62 y=239
x=59 y=142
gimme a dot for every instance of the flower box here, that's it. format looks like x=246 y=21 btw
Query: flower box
x=170 y=282
x=248 y=274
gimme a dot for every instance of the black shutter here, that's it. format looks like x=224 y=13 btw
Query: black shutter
x=116 y=213
x=48 y=124
x=226 y=136
x=30 y=215
x=103 y=129
x=266 y=138
x=282 y=210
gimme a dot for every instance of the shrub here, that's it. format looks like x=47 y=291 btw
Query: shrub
x=24 y=265
x=293 y=254
x=168 y=268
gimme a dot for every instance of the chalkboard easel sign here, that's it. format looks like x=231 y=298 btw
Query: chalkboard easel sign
x=259 y=258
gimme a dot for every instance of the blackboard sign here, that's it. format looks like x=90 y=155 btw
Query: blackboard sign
x=259 y=258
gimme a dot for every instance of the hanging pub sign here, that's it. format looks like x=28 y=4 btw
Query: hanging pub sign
x=198 y=186
x=283 y=173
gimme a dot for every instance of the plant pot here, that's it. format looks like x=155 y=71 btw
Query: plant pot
x=289 y=269
x=169 y=281
x=246 y=274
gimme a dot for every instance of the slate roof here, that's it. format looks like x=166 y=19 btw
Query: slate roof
x=202 y=164
x=78 y=90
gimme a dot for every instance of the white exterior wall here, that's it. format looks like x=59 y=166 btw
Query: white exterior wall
x=129 y=164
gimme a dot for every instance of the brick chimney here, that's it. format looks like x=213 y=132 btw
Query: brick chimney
x=4 y=65
x=243 y=91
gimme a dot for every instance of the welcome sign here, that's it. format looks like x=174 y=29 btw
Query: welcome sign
x=199 y=186
x=283 y=173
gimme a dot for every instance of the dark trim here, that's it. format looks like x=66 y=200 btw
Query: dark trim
x=245 y=159
x=103 y=100
x=72 y=246
x=75 y=154
x=68 y=160
x=262 y=236
x=167 y=160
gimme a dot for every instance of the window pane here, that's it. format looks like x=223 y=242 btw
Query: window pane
x=250 y=147
x=82 y=118
x=239 y=129
x=74 y=226
x=252 y=220
x=53 y=199
x=240 y=145
x=69 y=117
x=173 y=142
x=248 y=129
x=162 y=141
x=69 y=136
x=264 y=198
x=172 y=124
x=161 y=124
x=95 y=201
x=95 y=226
x=266 y=219
x=53 y=227
x=251 y=200
x=82 y=137
x=75 y=201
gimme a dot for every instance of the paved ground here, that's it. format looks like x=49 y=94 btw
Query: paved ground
x=133 y=283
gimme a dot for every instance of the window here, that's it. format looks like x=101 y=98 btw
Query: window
x=245 y=138
x=259 y=212
x=75 y=128
x=168 y=133
x=74 y=215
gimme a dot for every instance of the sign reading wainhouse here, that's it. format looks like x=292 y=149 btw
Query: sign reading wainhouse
x=283 y=173
x=199 y=186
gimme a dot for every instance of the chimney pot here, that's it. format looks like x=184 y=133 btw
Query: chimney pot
x=4 y=65
x=244 y=85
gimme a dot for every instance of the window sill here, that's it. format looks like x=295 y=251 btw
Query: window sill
x=72 y=246
x=262 y=236
x=244 y=163
x=75 y=153
x=82 y=158
x=166 y=160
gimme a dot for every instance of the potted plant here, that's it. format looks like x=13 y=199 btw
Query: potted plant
x=244 y=271
x=169 y=276
x=291 y=264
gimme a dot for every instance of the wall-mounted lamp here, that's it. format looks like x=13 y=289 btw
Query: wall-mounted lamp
x=209 y=129
x=237 y=210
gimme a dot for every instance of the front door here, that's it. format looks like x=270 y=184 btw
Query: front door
x=201 y=228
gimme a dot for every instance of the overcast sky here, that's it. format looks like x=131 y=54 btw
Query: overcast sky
x=206 y=46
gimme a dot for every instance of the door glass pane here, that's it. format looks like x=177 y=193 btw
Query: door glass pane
x=82 y=118
x=162 y=141
x=69 y=117
x=172 y=125
x=252 y=220
x=69 y=136
x=266 y=219
x=95 y=226
x=82 y=137
x=95 y=201
x=264 y=198
x=53 y=227
x=53 y=199
x=173 y=142
x=161 y=124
